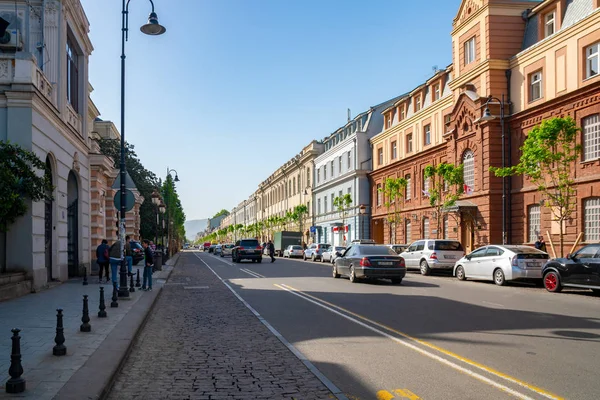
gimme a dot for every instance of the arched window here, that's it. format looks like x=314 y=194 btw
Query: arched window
x=469 y=170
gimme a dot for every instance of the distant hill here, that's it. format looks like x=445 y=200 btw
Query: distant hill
x=194 y=226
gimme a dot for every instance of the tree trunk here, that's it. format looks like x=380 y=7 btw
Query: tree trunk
x=560 y=221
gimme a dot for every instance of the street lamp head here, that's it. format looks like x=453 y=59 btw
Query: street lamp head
x=176 y=178
x=487 y=115
x=162 y=208
x=153 y=28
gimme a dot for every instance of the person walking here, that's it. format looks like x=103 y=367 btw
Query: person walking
x=102 y=258
x=147 y=285
x=540 y=244
x=271 y=250
x=128 y=255
x=115 y=257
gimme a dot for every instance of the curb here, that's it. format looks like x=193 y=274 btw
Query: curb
x=94 y=380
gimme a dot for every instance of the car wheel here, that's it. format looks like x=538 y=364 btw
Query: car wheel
x=259 y=260
x=552 y=282
x=335 y=273
x=396 y=281
x=352 y=275
x=425 y=270
x=499 y=277
x=221 y=255
x=313 y=258
x=460 y=273
x=322 y=259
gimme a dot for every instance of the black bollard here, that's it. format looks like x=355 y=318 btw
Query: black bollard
x=60 y=349
x=85 y=282
x=85 y=326
x=131 y=288
x=102 y=312
x=137 y=281
x=15 y=384
x=114 y=302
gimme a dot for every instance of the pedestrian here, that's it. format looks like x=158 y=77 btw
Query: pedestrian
x=540 y=244
x=148 y=265
x=102 y=258
x=271 y=247
x=128 y=255
x=115 y=257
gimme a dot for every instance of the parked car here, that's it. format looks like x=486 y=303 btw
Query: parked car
x=363 y=241
x=211 y=248
x=428 y=254
x=293 y=250
x=501 y=263
x=580 y=270
x=226 y=249
x=217 y=250
x=138 y=251
x=247 y=249
x=315 y=251
x=398 y=248
x=369 y=261
x=205 y=246
x=330 y=256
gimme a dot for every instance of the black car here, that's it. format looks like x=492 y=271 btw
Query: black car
x=247 y=249
x=369 y=261
x=138 y=251
x=579 y=270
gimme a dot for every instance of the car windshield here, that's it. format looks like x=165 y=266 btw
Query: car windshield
x=376 y=250
x=524 y=250
x=296 y=247
x=135 y=245
x=339 y=248
x=448 y=245
x=249 y=243
x=324 y=246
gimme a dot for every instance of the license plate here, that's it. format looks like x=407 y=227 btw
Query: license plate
x=450 y=257
x=386 y=263
x=533 y=264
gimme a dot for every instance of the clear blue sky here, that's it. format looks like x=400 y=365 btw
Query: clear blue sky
x=235 y=88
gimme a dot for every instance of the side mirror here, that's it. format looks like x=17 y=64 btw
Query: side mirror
x=338 y=254
x=468 y=257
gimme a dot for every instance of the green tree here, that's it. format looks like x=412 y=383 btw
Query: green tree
x=222 y=212
x=20 y=179
x=298 y=216
x=547 y=159
x=174 y=213
x=393 y=193
x=446 y=185
x=342 y=204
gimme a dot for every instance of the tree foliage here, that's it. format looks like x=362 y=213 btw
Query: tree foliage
x=222 y=212
x=446 y=185
x=20 y=179
x=342 y=204
x=393 y=192
x=547 y=158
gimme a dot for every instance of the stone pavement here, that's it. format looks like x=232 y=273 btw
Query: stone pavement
x=201 y=342
x=35 y=315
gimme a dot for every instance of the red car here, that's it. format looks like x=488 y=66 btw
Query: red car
x=205 y=246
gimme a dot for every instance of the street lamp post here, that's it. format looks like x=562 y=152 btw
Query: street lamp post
x=151 y=28
x=488 y=116
x=362 y=209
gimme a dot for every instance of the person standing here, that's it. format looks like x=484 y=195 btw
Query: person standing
x=102 y=258
x=271 y=250
x=147 y=285
x=115 y=261
x=128 y=255
x=540 y=244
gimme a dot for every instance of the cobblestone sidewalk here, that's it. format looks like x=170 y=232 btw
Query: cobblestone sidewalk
x=201 y=342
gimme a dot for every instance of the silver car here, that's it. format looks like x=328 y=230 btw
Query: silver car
x=293 y=250
x=501 y=263
x=315 y=251
x=226 y=249
x=330 y=256
x=428 y=254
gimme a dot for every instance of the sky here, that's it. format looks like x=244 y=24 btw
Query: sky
x=235 y=88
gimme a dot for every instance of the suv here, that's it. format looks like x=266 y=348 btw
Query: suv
x=580 y=270
x=247 y=249
x=315 y=251
x=428 y=254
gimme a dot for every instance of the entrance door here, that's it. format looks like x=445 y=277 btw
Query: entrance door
x=72 y=225
x=48 y=223
x=467 y=234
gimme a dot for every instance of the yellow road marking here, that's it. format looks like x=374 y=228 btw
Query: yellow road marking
x=384 y=395
x=406 y=394
x=448 y=353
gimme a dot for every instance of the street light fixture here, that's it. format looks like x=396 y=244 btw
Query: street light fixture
x=487 y=117
x=151 y=28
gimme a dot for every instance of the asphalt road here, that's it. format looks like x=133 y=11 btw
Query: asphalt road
x=431 y=337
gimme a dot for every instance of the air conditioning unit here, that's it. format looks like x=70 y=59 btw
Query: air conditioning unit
x=12 y=40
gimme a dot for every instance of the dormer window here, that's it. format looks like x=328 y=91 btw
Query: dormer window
x=402 y=112
x=436 y=92
x=470 y=50
x=388 y=120
x=549 y=20
x=417 y=103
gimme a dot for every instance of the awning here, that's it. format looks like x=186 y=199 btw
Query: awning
x=462 y=205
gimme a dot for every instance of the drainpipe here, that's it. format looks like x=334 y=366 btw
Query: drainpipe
x=508 y=74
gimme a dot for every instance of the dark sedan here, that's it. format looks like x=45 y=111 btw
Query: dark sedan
x=369 y=261
x=579 y=270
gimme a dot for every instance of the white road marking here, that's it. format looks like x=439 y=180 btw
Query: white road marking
x=249 y=273
x=195 y=287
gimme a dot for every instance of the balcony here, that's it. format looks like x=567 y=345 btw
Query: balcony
x=22 y=71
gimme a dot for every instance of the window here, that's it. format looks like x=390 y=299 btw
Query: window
x=407 y=232
x=340 y=164
x=402 y=112
x=349 y=160
x=332 y=198
x=325 y=172
x=308 y=207
x=325 y=204
x=318 y=206
x=307 y=176
x=72 y=75
x=445 y=227
x=409 y=143
x=380 y=156
x=332 y=170
x=591 y=137
x=408 y=188
x=294 y=185
x=535 y=86
x=318 y=175
x=378 y=194
x=470 y=50
x=425 y=185
x=417 y=103
x=592 y=219
x=349 y=190
x=549 y=19
x=427 y=134
x=533 y=216
x=299 y=185
x=436 y=92
x=426 y=228
x=388 y=120
x=394 y=150
x=593 y=60
x=469 y=170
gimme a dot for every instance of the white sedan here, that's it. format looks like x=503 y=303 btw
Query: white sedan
x=330 y=256
x=502 y=263
x=293 y=251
